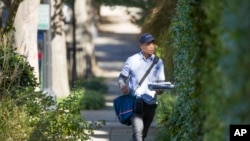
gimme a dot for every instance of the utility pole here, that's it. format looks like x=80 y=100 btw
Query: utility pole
x=47 y=54
x=47 y=59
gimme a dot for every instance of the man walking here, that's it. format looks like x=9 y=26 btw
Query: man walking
x=129 y=79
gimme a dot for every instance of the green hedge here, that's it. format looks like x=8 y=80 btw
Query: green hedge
x=187 y=36
x=225 y=77
x=209 y=42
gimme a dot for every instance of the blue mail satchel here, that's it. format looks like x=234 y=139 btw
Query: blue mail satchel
x=124 y=107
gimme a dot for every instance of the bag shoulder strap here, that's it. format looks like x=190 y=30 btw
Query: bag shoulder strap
x=155 y=61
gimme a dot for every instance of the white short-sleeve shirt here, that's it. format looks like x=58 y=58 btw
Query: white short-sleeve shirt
x=135 y=67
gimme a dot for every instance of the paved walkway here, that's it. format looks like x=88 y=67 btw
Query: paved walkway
x=113 y=45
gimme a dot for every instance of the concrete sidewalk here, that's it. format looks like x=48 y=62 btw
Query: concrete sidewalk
x=115 y=42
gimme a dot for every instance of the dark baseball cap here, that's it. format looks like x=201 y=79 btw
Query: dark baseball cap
x=146 y=38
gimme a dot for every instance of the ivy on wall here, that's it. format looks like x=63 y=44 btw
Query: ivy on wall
x=186 y=29
x=225 y=76
x=208 y=41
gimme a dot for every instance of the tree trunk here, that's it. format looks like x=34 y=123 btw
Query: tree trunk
x=60 y=81
x=25 y=24
x=85 y=29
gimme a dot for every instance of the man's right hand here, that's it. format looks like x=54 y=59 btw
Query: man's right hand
x=124 y=89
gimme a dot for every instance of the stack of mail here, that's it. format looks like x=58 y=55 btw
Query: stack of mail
x=161 y=86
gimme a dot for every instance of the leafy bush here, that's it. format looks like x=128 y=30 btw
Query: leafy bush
x=19 y=103
x=92 y=100
x=91 y=93
x=15 y=73
x=95 y=84
x=64 y=123
x=26 y=114
x=13 y=121
x=164 y=112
